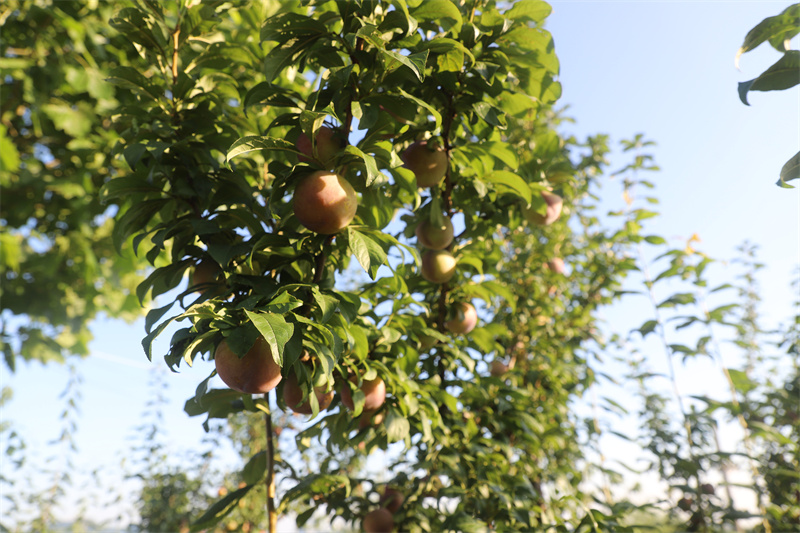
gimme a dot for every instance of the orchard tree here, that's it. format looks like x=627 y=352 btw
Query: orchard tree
x=284 y=158
x=60 y=267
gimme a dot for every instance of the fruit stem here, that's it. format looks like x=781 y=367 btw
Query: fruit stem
x=270 y=481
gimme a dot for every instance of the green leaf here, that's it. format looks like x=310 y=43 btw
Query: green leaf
x=775 y=29
x=130 y=78
x=220 y=509
x=508 y=182
x=784 y=74
x=369 y=163
x=533 y=10
x=252 y=143
x=9 y=156
x=678 y=299
x=655 y=239
x=741 y=381
x=136 y=218
x=437 y=116
x=369 y=253
x=270 y=95
x=648 y=327
x=491 y=114
x=416 y=62
x=790 y=171
x=275 y=330
x=253 y=472
x=438 y=11
x=397 y=426
x=286 y=26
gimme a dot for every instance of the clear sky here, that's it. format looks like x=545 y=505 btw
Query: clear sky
x=664 y=69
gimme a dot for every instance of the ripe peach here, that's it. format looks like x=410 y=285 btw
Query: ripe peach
x=428 y=165
x=207 y=275
x=370 y=418
x=554 y=205
x=464 y=318
x=255 y=373
x=556 y=264
x=324 y=202
x=497 y=368
x=438 y=266
x=374 y=394
x=293 y=397
x=378 y=521
x=329 y=143
x=392 y=499
x=432 y=237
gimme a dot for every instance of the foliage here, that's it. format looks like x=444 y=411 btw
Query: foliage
x=60 y=268
x=478 y=80
x=784 y=74
x=190 y=143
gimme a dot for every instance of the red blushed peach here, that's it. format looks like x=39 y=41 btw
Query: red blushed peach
x=554 y=205
x=392 y=499
x=255 y=373
x=438 y=266
x=324 y=202
x=328 y=145
x=428 y=165
x=378 y=521
x=207 y=276
x=374 y=394
x=370 y=418
x=464 y=318
x=293 y=397
x=556 y=264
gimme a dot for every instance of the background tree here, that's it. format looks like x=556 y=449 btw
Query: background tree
x=60 y=267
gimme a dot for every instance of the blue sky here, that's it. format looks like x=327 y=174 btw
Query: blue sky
x=664 y=69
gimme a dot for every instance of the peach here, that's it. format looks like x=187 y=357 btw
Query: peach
x=464 y=318
x=254 y=373
x=378 y=521
x=293 y=397
x=554 y=205
x=374 y=394
x=428 y=165
x=328 y=142
x=325 y=202
x=432 y=237
x=438 y=266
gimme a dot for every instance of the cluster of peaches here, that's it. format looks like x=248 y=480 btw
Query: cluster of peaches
x=326 y=203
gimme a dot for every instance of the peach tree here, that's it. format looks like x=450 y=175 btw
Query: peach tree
x=382 y=231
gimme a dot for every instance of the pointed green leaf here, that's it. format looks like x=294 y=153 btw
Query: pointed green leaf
x=790 y=171
x=275 y=330
x=252 y=143
x=784 y=74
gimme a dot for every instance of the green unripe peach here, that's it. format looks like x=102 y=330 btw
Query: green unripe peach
x=435 y=238
x=438 y=266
